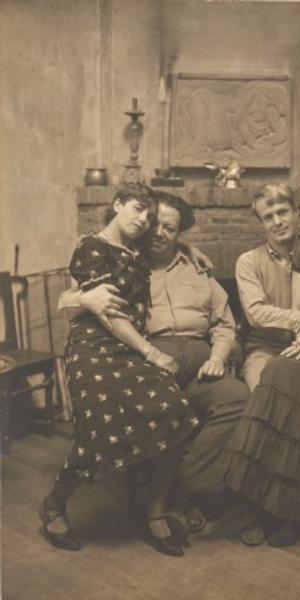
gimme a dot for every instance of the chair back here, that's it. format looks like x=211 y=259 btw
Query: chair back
x=230 y=286
x=13 y=289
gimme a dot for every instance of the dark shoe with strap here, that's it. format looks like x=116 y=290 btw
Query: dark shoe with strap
x=166 y=545
x=286 y=535
x=65 y=540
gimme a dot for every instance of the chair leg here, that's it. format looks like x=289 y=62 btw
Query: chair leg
x=4 y=418
x=44 y=418
x=49 y=420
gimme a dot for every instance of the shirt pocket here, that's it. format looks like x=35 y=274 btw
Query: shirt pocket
x=195 y=290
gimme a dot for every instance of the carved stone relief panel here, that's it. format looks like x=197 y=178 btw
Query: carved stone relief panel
x=220 y=119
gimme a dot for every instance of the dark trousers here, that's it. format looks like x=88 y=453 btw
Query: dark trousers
x=219 y=405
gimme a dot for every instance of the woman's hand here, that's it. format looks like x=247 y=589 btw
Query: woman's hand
x=167 y=362
x=162 y=360
x=200 y=261
x=292 y=351
x=213 y=367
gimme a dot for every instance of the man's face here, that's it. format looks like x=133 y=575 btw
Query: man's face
x=279 y=220
x=162 y=241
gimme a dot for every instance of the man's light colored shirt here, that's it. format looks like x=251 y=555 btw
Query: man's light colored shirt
x=184 y=303
x=269 y=289
x=187 y=303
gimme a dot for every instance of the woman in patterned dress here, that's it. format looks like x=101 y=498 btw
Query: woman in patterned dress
x=127 y=407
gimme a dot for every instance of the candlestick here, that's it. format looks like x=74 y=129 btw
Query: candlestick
x=133 y=169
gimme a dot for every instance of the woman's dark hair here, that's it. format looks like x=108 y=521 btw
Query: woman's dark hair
x=137 y=191
x=185 y=209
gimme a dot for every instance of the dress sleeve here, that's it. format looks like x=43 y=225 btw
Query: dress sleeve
x=90 y=263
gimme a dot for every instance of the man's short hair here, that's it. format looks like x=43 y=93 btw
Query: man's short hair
x=274 y=193
x=139 y=191
x=185 y=210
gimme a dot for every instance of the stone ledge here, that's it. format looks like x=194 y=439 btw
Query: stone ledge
x=198 y=195
x=209 y=196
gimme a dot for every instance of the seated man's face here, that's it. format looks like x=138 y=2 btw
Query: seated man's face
x=279 y=220
x=162 y=239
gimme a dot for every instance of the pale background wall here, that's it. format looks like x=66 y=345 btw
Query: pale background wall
x=48 y=113
x=62 y=107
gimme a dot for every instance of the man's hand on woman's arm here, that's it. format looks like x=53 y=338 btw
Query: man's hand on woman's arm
x=104 y=302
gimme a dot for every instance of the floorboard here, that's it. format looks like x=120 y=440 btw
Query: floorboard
x=114 y=564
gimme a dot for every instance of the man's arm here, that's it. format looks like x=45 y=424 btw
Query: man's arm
x=103 y=301
x=257 y=309
x=221 y=332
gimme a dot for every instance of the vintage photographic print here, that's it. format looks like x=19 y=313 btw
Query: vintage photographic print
x=150 y=299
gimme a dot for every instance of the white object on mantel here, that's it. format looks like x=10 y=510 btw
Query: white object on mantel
x=227 y=177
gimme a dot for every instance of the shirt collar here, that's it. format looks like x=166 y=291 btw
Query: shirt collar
x=273 y=254
x=179 y=257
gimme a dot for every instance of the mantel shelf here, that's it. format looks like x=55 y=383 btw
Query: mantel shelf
x=197 y=194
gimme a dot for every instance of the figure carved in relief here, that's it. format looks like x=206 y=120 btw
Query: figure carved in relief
x=261 y=119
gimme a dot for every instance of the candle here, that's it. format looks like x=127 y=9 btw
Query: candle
x=134 y=103
x=162 y=95
x=162 y=98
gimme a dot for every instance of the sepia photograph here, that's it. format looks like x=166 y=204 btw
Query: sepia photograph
x=150 y=299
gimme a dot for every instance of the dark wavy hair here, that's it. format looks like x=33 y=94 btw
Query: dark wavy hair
x=273 y=193
x=185 y=209
x=137 y=191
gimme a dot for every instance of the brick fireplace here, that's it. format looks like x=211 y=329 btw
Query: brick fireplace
x=224 y=225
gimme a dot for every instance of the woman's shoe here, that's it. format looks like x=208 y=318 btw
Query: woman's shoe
x=65 y=540
x=166 y=545
x=286 y=535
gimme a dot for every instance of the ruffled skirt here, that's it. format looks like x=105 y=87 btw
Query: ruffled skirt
x=262 y=462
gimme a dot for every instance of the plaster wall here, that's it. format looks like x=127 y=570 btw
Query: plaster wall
x=151 y=37
x=49 y=114
x=69 y=70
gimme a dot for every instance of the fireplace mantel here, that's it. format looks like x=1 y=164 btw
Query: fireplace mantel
x=204 y=196
x=224 y=228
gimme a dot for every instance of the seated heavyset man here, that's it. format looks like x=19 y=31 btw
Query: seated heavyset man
x=189 y=319
x=268 y=280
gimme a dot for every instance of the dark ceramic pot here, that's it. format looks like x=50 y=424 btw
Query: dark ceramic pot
x=95 y=176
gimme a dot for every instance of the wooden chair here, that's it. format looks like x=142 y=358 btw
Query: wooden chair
x=236 y=358
x=26 y=362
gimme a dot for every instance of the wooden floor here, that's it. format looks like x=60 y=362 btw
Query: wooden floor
x=113 y=563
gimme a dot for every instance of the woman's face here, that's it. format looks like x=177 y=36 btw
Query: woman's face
x=134 y=217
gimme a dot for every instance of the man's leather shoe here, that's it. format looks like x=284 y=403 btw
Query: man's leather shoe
x=253 y=535
x=286 y=535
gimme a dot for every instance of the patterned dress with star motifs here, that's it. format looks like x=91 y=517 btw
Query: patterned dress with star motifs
x=126 y=410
